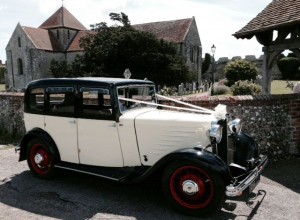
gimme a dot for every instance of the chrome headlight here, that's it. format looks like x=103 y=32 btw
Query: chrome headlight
x=216 y=132
x=235 y=125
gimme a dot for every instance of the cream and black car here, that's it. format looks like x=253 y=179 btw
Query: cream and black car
x=120 y=129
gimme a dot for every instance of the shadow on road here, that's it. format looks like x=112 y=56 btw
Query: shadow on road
x=285 y=172
x=77 y=196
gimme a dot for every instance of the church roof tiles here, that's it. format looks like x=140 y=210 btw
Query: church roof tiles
x=74 y=46
x=62 y=18
x=174 y=31
x=42 y=39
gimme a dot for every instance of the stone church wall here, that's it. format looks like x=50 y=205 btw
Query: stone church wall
x=35 y=66
x=192 y=50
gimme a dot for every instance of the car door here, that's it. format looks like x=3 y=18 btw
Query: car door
x=60 y=121
x=98 y=138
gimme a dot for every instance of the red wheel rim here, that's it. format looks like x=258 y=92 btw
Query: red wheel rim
x=40 y=159
x=192 y=187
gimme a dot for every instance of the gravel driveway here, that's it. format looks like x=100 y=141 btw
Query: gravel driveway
x=77 y=196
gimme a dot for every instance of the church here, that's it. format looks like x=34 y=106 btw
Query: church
x=30 y=50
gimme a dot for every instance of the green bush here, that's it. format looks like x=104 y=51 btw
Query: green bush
x=246 y=88
x=223 y=82
x=289 y=66
x=240 y=70
x=221 y=90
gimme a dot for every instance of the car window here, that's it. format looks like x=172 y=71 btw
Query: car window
x=35 y=101
x=61 y=101
x=144 y=93
x=96 y=103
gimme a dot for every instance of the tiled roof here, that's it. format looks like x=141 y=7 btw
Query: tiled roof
x=42 y=39
x=62 y=18
x=174 y=31
x=277 y=14
x=76 y=41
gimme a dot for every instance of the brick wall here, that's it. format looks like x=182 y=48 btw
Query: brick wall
x=274 y=121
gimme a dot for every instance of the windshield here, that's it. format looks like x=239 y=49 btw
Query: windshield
x=136 y=96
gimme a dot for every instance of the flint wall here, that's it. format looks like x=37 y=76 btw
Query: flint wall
x=273 y=120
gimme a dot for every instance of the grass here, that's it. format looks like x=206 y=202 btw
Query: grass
x=279 y=87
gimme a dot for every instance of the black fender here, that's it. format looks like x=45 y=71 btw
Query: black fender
x=41 y=134
x=245 y=148
x=199 y=155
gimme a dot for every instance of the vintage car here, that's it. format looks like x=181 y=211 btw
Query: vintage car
x=120 y=129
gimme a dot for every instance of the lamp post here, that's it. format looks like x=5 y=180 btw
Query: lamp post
x=213 y=50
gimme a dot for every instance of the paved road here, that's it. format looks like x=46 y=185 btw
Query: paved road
x=76 y=196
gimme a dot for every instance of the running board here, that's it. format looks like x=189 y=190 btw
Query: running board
x=115 y=174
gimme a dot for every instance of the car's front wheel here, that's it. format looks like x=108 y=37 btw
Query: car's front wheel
x=192 y=189
x=40 y=159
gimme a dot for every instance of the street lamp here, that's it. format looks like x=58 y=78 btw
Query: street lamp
x=213 y=50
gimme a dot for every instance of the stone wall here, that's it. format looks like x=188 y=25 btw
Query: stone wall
x=274 y=120
x=11 y=117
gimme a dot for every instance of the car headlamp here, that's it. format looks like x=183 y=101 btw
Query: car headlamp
x=235 y=125
x=216 y=132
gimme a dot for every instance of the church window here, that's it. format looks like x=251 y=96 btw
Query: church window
x=68 y=34
x=19 y=41
x=57 y=34
x=20 y=66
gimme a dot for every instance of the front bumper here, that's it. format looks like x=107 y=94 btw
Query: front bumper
x=250 y=181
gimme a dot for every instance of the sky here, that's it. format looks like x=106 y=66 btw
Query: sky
x=216 y=20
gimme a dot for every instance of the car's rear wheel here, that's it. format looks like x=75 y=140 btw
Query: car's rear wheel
x=192 y=189
x=40 y=159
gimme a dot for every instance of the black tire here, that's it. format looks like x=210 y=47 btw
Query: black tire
x=40 y=159
x=192 y=189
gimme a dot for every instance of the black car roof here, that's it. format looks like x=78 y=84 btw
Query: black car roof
x=86 y=81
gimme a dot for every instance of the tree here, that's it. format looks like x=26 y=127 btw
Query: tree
x=60 y=68
x=289 y=67
x=206 y=63
x=240 y=70
x=110 y=50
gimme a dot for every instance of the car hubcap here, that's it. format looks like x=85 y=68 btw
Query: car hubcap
x=190 y=187
x=38 y=159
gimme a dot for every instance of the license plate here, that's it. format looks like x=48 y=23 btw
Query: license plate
x=254 y=184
